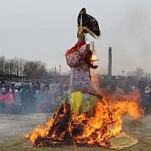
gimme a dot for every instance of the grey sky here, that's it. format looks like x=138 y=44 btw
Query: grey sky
x=45 y=29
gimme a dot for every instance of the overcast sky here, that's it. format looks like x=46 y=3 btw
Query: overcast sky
x=45 y=29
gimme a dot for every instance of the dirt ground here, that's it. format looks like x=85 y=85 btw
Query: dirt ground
x=14 y=127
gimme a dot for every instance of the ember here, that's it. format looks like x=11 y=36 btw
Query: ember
x=66 y=127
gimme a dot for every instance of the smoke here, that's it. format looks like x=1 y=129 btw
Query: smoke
x=95 y=79
x=129 y=36
x=137 y=29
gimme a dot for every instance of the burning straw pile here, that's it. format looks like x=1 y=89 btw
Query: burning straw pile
x=83 y=118
x=68 y=128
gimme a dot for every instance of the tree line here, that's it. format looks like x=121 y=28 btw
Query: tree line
x=21 y=68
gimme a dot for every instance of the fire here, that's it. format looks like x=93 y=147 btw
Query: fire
x=93 y=57
x=65 y=127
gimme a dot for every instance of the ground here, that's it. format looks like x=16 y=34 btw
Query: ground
x=14 y=127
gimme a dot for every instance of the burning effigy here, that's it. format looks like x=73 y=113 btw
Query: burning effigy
x=85 y=116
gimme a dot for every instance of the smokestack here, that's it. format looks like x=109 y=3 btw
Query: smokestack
x=110 y=61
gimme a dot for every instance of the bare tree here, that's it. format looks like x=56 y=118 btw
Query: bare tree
x=22 y=68
x=7 y=68
x=139 y=72
x=34 y=69
x=2 y=65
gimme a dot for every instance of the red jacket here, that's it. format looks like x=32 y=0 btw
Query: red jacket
x=2 y=97
x=9 y=98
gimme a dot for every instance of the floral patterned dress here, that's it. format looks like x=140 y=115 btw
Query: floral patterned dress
x=80 y=71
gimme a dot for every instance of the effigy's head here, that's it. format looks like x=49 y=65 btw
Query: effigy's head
x=88 y=24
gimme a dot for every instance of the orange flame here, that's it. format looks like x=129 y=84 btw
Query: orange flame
x=93 y=57
x=66 y=127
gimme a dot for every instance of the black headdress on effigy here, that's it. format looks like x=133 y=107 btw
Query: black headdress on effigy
x=88 y=24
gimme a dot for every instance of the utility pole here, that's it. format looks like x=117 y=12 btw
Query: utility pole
x=123 y=73
x=60 y=69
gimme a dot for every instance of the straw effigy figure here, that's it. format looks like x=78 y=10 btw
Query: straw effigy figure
x=81 y=95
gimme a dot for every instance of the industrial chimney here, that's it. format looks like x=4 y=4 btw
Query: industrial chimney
x=110 y=61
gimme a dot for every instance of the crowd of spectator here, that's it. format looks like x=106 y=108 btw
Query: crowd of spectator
x=29 y=97
x=35 y=97
x=145 y=93
x=120 y=87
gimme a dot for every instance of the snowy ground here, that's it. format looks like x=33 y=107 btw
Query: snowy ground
x=14 y=127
